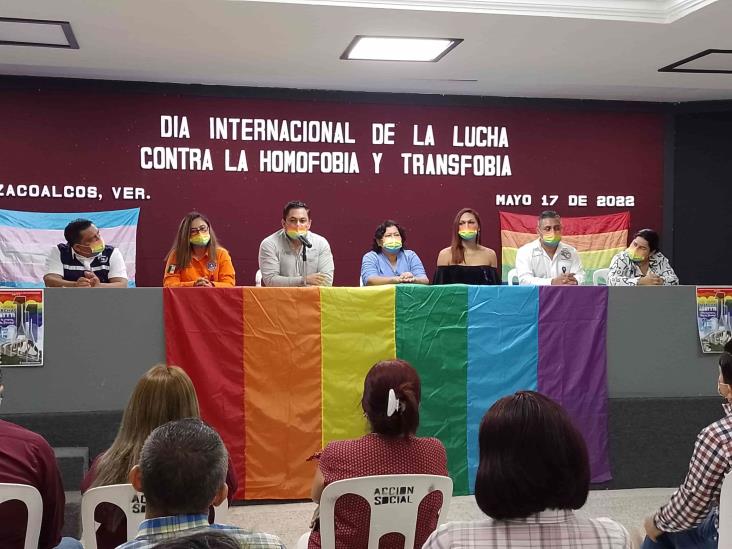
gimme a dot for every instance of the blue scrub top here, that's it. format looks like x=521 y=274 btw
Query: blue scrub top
x=377 y=264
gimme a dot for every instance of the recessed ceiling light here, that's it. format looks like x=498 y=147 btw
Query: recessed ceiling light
x=399 y=48
x=37 y=32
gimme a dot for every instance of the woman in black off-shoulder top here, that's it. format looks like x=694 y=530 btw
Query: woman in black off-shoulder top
x=465 y=261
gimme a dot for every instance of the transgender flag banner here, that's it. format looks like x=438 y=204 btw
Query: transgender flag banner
x=26 y=239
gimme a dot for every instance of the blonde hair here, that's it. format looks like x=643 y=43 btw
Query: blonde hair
x=163 y=394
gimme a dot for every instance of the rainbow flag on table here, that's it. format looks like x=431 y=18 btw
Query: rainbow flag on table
x=279 y=371
x=596 y=238
x=26 y=239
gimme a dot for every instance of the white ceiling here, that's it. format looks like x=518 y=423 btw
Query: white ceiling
x=511 y=48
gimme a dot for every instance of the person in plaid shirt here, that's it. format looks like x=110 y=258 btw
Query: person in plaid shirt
x=182 y=472
x=690 y=518
x=533 y=473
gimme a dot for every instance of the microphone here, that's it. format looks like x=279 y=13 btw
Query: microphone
x=304 y=239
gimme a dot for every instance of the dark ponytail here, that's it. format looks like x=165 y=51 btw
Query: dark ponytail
x=402 y=378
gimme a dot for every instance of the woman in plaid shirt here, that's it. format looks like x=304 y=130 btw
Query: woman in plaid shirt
x=690 y=518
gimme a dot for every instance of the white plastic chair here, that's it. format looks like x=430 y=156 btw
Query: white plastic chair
x=258 y=278
x=599 y=277
x=396 y=513
x=33 y=501
x=126 y=498
x=513 y=275
x=725 y=514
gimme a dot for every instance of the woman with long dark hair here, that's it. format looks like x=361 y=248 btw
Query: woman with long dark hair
x=466 y=261
x=196 y=258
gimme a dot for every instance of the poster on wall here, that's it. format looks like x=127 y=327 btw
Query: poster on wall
x=713 y=309
x=21 y=327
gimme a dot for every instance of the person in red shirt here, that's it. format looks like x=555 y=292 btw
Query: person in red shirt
x=26 y=458
x=390 y=402
x=196 y=259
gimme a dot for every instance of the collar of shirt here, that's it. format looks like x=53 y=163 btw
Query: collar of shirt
x=547 y=516
x=727 y=407
x=540 y=248
x=166 y=525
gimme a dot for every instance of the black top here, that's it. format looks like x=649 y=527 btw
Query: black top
x=479 y=275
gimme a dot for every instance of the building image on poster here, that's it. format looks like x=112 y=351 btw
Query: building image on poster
x=21 y=327
x=713 y=309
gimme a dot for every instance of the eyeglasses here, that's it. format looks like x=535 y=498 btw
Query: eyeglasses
x=201 y=229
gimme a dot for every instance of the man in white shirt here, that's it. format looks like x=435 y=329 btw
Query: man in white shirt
x=84 y=261
x=547 y=260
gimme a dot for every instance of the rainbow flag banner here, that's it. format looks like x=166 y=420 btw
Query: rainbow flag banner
x=26 y=239
x=596 y=238
x=279 y=371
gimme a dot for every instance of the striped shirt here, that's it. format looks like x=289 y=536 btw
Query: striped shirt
x=549 y=529
x=699 y=494
x=156 y=530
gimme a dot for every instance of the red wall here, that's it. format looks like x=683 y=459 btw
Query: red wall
x=83 y=137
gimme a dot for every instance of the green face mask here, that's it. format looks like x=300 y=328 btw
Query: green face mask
x=635 y=257
x=552 y=240
x=200 y=239
x=392 y=246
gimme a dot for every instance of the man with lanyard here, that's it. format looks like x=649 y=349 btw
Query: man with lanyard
x=547 y=260
x=280 y=254
x=84 y=261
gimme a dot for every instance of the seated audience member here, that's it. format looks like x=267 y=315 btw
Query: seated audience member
x=204 y=540
x=389 y=261
x=84 y=260
x=182 y=472
x=391 y=396
x=690 y=518
x=163 y=394
x=642 y=264
x=26 y=458
x=548 y=260
x=280 y=254
x=196 y=258
x=466 y=261
x=533 y=472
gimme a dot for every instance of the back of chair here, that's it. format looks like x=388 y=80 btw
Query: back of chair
x=513 y=275
x=123 y=496
x=132 y=504
x=33 y=501
x=725 y=514
x=258 y=278
x=599 y=277
x=394 y=501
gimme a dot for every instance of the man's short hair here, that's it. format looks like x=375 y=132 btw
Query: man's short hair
x=183 y=465
x=548 y=214
x=292 y=205
x=72 y=232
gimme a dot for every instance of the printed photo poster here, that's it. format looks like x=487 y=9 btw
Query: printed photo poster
x=713 y=309
x=21 y=327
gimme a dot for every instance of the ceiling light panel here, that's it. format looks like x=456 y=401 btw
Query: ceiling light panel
x=396 y=48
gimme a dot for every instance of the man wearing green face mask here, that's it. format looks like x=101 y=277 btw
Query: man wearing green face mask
x=548 y=260
x=84 y=260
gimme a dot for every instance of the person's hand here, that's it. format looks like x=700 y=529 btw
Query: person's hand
x=83 y=282
x=316 y=279
x=651 y=279
x=564 y=280
x=93 y=279
x=406 y=277
x=651 y=531
x=202 y=282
